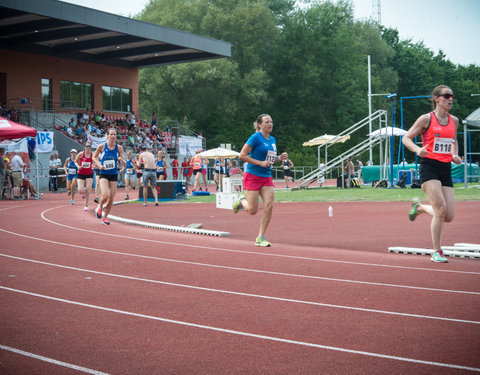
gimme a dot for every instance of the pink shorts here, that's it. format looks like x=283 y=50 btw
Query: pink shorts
x=255 y=183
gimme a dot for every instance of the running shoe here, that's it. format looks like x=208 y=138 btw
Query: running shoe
x=126 y=197
x=85 y=208
x=438 y=257
x=413 y=211
x=237 y=206
x=71 y=201
x=96 y=200
x=156 y=204
x=262 y=241
x=145 y=204
x=99 y=212
x=106 y=221
x=69 y=192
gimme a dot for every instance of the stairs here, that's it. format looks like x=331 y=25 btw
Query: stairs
x=380 y=117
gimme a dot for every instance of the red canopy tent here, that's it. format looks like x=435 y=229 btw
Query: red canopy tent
x=12 y=130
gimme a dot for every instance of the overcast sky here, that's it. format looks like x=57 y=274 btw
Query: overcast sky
x=452 y=26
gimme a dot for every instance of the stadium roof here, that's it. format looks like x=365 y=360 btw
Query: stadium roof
x=60 y=29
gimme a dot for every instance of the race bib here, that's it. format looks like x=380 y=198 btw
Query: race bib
x=130 y=171
x=442 y=145
x=86 y=164
x=109 y=164
x=198 y=165
x=159 y=169
x=271 y=156
x=72 y=171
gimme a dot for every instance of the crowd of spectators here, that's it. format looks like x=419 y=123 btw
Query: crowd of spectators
x=133 y=133
x=10 y=114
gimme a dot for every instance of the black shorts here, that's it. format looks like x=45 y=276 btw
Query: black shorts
x=287 y=172
x=109 y=177
x=436 y=170
x=84 y=176
x=195 y=171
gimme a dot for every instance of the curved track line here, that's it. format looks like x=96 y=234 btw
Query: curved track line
x=260 y=296
x=249 y=269
x=249 y=252
x=246 y=334
x=50 y=360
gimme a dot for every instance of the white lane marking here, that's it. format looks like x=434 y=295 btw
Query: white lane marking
x=252 y=252
x=249 y=252
x=50 y=360
x=249 y=269
x=244 y=294
x=247 y=334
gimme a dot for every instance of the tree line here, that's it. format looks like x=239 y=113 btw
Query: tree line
x=304 y=65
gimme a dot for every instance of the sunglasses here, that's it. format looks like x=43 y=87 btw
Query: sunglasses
x=88 y=146
x=446 y=96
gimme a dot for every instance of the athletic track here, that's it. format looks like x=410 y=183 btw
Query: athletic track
x=326 y=298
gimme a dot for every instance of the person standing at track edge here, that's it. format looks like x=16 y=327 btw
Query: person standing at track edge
x=260 y=152
x=150 y=168
x=439 y=148
x=108 y=165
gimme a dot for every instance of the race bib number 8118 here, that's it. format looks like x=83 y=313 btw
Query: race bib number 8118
x=442 y=145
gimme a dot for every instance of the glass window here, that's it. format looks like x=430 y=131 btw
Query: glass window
x=76 y=94
x=116 y=99
x=46 y=94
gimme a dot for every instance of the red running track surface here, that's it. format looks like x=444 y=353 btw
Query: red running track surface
x=326 y=298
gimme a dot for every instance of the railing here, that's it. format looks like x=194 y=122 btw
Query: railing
x=338 y=161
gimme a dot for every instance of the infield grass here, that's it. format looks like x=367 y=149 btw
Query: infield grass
x=364 y=193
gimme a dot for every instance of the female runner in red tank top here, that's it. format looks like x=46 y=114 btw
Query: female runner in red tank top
x=84 y=163
x=439 y=149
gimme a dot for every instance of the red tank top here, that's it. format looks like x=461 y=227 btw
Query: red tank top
x=86 y=165
x=439 y=139
x=197 y=162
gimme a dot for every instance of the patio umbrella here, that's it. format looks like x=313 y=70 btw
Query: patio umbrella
x=219 y=153
x=387 y=131
x=12 y=130
x=326 y=139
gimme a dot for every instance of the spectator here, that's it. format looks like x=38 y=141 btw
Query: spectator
x=27 y=185
x=174 y=165
x=70 y=132
x=17 y=172
x=235 y=171
x=359 y=171
x=131 y=120
x=55 y=163
x=79 y=133
x=154 y=119
x=3 y=169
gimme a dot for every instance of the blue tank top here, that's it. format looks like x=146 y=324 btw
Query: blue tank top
x=130 y=168
x=72 y=167
x=110 y=160
x=160 y=166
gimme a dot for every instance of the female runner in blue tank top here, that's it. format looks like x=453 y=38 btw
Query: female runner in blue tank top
x=108 y=165
x=71 y=170
x=260 y=152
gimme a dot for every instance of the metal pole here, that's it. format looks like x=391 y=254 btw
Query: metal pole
x=465 y=167
x=370 y=107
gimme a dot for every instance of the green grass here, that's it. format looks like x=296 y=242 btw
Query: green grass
x=365 y=193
